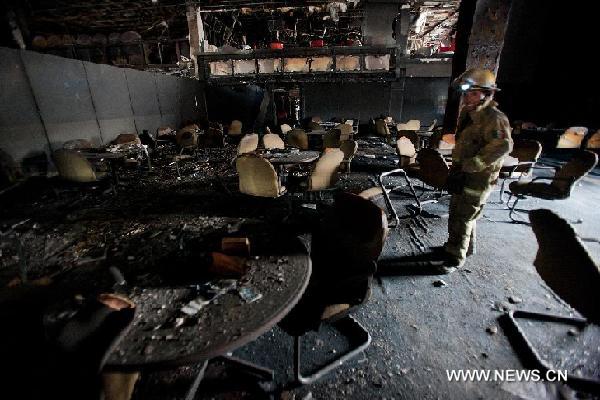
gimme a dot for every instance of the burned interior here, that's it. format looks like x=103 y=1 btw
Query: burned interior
x=345 y=199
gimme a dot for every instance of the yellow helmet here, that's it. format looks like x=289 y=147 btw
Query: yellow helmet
x=476 y=79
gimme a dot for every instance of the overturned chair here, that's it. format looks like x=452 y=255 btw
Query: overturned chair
x=564 y=263
x=344 y=251
x=559 y=186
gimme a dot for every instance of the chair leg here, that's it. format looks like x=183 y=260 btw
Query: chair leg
x=194 y=388
x=355 y=331
x=502 y=190
x=247 y=366
x=513 y=211
x=577 y=382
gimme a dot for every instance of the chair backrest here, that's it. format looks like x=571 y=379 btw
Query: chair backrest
x=345 y=247
x=570 y=173
x=411 y=135
x=73 y=166
x=411 y=125
x=235 y=128
x=285 y=128
x=248 y=144
x=349 y=148
x=187 y=138
x=297 y=138
x=257 y=176
x=594 y=141
x=433 y=168
x=324 y=172
x=127 y=138
x=345 y=131
x=163 y=131
x=364 y=220
x=405 y=147
x=331 y=138
x=313 y=126
x=572 y=138
x=381 y=128
x=77 y=144
x=565 y=265
x=272 y=141
x=526 y=150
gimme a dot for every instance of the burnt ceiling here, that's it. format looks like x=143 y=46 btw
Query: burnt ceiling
x=230 y=22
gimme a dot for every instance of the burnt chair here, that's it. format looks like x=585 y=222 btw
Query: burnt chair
x=526 y=153
x=331 y=139
x=297 y=138
x=433 y=169
x=76 y=172
x=564 y=263
x=558 y=187
x=349 y=148
x=344 y=250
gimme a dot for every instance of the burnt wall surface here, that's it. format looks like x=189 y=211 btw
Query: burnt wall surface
x=547 y=70
x=241 y=102
x=415 y=98
x=47 y=100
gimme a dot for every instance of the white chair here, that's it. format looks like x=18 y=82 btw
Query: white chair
x=406 y=151
x=258 y=177
x=411 y=125
x=324 y=172
x=285 y=128
x=572 y=138
x=248 y=144
x=272 y=141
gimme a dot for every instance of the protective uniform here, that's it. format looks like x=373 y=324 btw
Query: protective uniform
x=483 y=139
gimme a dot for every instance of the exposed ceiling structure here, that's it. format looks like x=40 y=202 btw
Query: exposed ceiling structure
x=233 y=22
x=433 y=24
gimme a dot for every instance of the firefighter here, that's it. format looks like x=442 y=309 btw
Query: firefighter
x=483 y=139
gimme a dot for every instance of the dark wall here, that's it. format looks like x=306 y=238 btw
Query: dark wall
x=420 y=98
x=241 y=102
x=547 y=70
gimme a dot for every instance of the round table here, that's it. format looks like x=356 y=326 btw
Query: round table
x=290 y=158
x=155 y=341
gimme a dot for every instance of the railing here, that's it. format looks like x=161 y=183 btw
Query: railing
x=299 y=63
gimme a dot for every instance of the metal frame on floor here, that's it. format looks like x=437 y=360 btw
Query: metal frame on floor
x=577 y=382
x=388 y=202
x=360 y=333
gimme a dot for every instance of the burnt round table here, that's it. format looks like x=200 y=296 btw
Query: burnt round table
x=291 y=158
x=154 y=341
